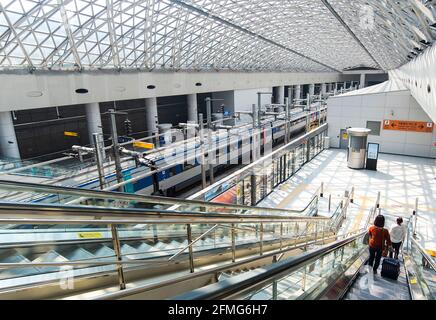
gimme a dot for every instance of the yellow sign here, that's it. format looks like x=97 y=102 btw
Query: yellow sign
x=143 y=145
x=90 y=235
x=413 y=281
x=71 y=134
x=345 y=136
x=431 y=253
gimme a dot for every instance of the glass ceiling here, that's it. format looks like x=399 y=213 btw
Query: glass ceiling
x=252 y=35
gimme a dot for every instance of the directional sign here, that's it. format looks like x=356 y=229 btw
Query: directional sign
x=71 y=134
x=143 y=145
x=410 y=126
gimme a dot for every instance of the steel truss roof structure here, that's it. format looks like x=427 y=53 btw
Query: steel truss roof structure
x=245 y=35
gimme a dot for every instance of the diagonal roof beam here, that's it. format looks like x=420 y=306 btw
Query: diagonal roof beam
x=69 y=33
x=255 y=35
x=338 y=17
x=17 y=38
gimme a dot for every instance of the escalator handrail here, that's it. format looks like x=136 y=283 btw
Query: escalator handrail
x=156 y=200
x=230 y=287
x=38 y=213
x=424 y=253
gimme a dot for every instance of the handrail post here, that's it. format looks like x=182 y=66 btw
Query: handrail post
x=378 y=200
x=274 y=289
x=415 y=216
x=281 y=236
x=233 y=243
x=352 y=195
x=330 y=202
x=191 y=253
x=117 y=249
x=303 y=281
x=322 y=190
x=261 y=239
x=316 y=231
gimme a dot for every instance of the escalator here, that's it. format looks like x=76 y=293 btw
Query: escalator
x=43 y=244
x=336 y=271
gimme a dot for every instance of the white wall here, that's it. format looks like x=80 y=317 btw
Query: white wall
x=20 y=91
x=244 y=99
x=356 y=110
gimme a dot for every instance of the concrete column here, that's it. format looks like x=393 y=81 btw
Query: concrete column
x=192 y=108
x=151 y=117
x=93 y=119
x=8 y=139
x=362 y=81
x=280 y=95
x=297 y=92
x=312 y=89
x=290 y=94
x=324 y=88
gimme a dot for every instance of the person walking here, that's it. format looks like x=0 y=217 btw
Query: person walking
x=398 y=234
x=379 y=242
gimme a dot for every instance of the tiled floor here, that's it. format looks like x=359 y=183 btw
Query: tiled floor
x=400 y=180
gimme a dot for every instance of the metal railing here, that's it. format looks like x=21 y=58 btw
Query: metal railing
x=263 y=285
x=115 y=227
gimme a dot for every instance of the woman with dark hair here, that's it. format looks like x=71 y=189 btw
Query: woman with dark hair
x=398 y=233
x=379 y=240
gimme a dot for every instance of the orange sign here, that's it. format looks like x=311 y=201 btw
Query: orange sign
x=411 y=126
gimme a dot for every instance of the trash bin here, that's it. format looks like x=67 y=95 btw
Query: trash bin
x=357 y=144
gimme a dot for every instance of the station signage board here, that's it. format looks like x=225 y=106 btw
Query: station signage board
x=143 y=145
x=409 y=126
x=70 y=134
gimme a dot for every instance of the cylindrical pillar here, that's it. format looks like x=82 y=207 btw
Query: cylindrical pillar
x=297 y=92
x=280 y=95
x=362 y=81
x=151 y=117
x=312 y=89
x=290 y=94
x=8 y=139
x=324 y=88
x=192 y=108
x=93 y=119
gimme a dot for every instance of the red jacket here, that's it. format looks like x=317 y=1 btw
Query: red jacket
x=376 y=235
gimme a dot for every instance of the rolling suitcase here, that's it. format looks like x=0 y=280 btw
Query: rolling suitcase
x=390 y=268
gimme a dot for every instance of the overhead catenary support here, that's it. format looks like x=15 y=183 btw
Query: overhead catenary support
x=8 y=139
x=192 y=107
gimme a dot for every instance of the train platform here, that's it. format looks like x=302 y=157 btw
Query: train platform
x=400 y=179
